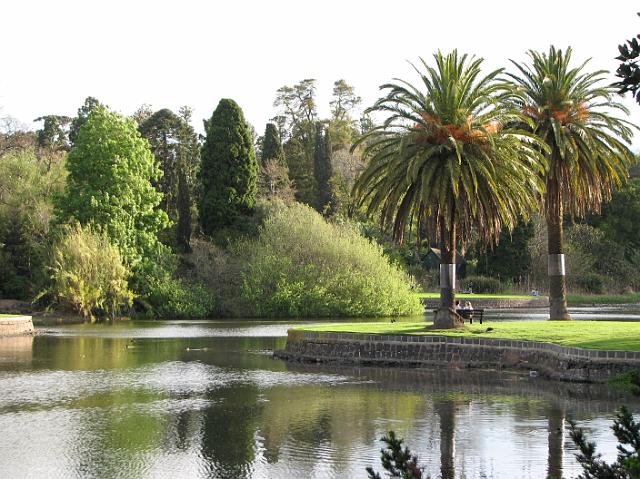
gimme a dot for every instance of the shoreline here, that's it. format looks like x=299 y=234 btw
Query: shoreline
x=564 y=363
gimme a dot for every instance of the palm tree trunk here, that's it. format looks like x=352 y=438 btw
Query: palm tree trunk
x=557 y=283
x=446 y=316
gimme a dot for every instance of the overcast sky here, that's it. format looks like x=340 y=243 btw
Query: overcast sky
x=184 y=52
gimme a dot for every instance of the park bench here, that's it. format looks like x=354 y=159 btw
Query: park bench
x=471 y=314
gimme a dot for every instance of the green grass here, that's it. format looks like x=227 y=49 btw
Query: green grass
x=576 y=299
x=616 y=335
x=477 y=296
x=8 y=315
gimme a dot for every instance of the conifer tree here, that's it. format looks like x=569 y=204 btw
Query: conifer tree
x=229 y=169
x=271 y=145
x=323 y=171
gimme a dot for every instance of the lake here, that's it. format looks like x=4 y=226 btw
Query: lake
x=198 y=399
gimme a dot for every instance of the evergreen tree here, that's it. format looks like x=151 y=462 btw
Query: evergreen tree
x=109 y=185
x=183 y=232
x=229 y=168
x=90 y=103
x=510 y=259
x=322 y=171
x=271 y=145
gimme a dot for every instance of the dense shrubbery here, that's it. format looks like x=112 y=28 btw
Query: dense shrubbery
x=88 y=273
x=481 y=284
x=300 y=265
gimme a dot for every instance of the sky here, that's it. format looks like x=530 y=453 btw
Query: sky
x=185 y=52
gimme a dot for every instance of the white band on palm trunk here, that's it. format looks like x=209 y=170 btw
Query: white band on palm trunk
x=556 y=265
x=447 y=276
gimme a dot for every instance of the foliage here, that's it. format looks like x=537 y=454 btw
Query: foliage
x=510 y=259
x=174 y=144
x=274 y=182
x=628 y=381
x=322 y=171
x=399 y=462
x=627 y=464
x=629 y=71
x=481 y=284
x=183 y=229
x=573 y=113
x=90 y=104
x=272 y=146
x=109 y=186
x=27 y=187
x=301 y=265
x=89 y=274
x=229 y=169
x=170 y=297
x=53 y=135
x=343 y=105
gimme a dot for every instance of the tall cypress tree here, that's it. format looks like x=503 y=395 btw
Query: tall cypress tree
x=322 y=171
x=271 y=146
x=229 y=169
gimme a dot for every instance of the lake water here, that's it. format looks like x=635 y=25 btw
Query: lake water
x=200 y=399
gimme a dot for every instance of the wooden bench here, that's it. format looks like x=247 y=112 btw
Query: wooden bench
x=471 y=314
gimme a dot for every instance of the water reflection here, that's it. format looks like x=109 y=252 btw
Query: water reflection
x=132 y=401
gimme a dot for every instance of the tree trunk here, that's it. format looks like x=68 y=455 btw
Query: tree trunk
x=557 y=283
x=446 y=316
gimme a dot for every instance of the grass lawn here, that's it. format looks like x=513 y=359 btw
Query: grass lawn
x=577 y=299
x=617 y=335
x=8 y=315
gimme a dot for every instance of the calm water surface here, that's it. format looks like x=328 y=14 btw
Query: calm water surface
x=204 y=399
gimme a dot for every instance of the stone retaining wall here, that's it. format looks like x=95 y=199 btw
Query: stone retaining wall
x=16 y=325
x=495 y=303
x=550 y=360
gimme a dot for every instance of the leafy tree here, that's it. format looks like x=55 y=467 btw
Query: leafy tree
x=627 y=464
x=53 y=135
x=89 y=274
x=271 y=145
x=109 y=186
x=510 y=259
x=399 y=462
x=629 y=71
x=322 y=171
x=296 y=119
x=341 y=123
x=27 y=189
x=229 y=169
x=587 y=153
x=449 y=153
x=274 y=182
x=90 y=103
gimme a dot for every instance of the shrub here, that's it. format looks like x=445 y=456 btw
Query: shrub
x=481 y=284
x=88 y=273
x=300 y=265
x=592 y=283
x=168 y=296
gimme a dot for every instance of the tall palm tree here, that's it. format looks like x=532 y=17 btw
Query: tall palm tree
x=573 y=112
x=448 y=152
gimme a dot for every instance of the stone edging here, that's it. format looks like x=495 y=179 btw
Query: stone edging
x=495 y=303
x=16 y=325
x=560 y=362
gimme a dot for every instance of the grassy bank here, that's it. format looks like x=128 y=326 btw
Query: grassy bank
x=582 y=334
x=582 y=299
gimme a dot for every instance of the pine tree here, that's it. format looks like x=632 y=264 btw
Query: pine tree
x=229 y=169
x=322 y=171
x=271 y=146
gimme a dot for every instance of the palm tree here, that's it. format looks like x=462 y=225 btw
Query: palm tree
x=449 y=153
x=573 y=113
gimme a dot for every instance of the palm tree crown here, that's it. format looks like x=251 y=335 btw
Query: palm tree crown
x=449 y=152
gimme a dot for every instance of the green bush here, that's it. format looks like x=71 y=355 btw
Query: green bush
x=88 y=273
x=170 y=297
x=481 y=285
x=300 y=265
